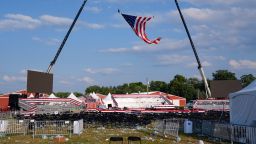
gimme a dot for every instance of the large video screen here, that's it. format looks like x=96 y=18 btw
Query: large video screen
x=222 y=88
x=39 y=82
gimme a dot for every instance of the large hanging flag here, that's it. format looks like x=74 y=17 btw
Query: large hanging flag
x=138 y=25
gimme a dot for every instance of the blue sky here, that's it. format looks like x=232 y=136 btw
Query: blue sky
x=103 y=50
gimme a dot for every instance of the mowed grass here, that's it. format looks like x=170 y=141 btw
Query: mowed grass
x=101 y=135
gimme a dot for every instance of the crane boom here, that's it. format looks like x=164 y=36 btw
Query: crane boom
x=208 y=92
x=65 y=38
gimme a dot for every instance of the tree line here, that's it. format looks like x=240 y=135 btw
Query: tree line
x=189 y=88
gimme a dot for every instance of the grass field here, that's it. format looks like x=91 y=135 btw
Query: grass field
x=101 y=135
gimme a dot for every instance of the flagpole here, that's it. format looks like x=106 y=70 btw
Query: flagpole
x=208 y=92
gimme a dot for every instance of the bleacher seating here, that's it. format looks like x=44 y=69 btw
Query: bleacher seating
x=142 y=102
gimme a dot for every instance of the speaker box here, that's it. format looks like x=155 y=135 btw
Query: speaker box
x=14 y=101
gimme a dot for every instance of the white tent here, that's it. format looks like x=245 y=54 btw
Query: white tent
x=243 y=106
x=72 y=96
x=52 y=96
x=31 y=96
x=108 y=100
x=94 y=96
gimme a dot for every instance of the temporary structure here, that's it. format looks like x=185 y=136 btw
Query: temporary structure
x=108 y=101
x=242 y=106
x=52 y=96
x=72 y=96
x=94 y=96
x=31 y=96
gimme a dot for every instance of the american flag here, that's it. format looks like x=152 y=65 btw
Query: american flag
x=138 y=25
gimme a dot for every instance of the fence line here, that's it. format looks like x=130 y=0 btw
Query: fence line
x=168 y=127
x=172 y=128
x=207 y=128
x=222 y=131
x=60 y=127
x=8 y=114
x=243 y=134
x=12 y=126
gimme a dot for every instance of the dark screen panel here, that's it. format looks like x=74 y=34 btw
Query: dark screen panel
x=39 y=82
x=222 y=88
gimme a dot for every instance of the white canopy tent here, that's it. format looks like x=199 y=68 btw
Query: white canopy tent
x=94 y=96
x=108 y=100
x=72 y=96
x=31 y=96
x=52 y=96
x=243 y=106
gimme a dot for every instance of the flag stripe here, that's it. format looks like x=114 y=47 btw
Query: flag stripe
x=142 y=29
x=138 y=24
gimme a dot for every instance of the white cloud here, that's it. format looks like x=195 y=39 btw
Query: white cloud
x=87 y=80
x=48 y=41
x=204 y=64
x=23 y=72
x=127 y=64
x=93 y=9
x=8 y=78
x=165 y=44
x=215 y=28
x=133 y=1
x=115 y=50
x=54 y=20
x=101 y=70
x=172 y=59
x=211 y=2
x=92 y=25
x=200 y=14
x=19 y=21
x=63 y=21
x=242 y=64
x=64 y=82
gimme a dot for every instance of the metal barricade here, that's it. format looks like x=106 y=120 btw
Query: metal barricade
x=168 y=127
x=172 y=128
x=13 y=126
x=207 y=128
x=222 y=131
x=243 y=134
x=8 y=114
x=52 y=128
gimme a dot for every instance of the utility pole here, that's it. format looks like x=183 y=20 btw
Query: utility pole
x=147 y=85
x=207 y=89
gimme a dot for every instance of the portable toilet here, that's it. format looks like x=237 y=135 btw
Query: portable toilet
x=188 y=127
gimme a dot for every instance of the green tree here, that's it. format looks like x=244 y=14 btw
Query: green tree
x=62 y=94
x=224 y=75
x=182 y=87
x=158 y=86
x=136 y=87
x=95 y=88
x=247 y=79
x=78 y=94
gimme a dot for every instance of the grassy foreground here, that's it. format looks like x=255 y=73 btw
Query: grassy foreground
x=101 y=135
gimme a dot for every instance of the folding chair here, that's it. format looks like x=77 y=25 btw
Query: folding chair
x=134 y=138
x=116 y=139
